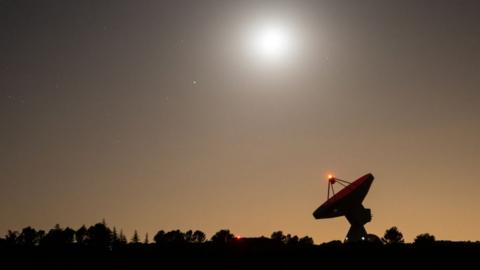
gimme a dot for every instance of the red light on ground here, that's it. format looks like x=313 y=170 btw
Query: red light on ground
x=238 y=237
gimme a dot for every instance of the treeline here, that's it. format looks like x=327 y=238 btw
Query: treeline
x=101 y=247
x=100 y=236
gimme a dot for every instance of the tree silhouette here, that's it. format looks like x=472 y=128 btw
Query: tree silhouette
x=278 y=236
x=393 y=236
x=198 y=237
x=146 y=241
x=30 y=237
x=58 y=248
x=99 y=236
x=68 y=235
x=115 y=238
x=222 y=237
x=159 y=237
x=81 y=235
x=122 y=240
x=175 y=236
x=135 y=238
x=118 y=239
x=306 y=240
x=291 y=239
x=424 y=239
x=189 y=236
x=58 y=237
x=11 y=238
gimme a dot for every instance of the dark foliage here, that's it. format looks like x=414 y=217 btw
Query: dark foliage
x=30 y=237
x=99 y=247
x=81 y=235
x=223 y=237
x=424 y=239
x=58 y=237
x=99 y=236
x=393 y=236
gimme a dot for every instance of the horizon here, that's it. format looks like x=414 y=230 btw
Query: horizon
x=209 y=115
x=117 y=234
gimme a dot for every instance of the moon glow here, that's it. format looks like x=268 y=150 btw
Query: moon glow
x=272 y=42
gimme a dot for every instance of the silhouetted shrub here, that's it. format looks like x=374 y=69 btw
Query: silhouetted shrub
x=393 y=236
x=159 y=238
x=374 y=239
x=306 y=240
x=222 y=237
x=424 y=239
x=278 y=236
x=198 y=237
x=291 y=239
x=332 y=244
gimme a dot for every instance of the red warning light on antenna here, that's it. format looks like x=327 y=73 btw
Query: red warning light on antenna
x=331 y=178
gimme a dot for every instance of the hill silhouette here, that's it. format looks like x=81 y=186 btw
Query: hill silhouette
x=99 y=246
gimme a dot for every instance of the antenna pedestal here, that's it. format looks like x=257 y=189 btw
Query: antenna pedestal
x=358 y=216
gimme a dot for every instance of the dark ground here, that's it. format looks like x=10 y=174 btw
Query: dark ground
x=245 y=254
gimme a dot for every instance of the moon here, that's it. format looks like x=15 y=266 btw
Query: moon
x=272 y=42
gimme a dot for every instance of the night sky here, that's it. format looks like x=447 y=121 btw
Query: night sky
x=163 y=115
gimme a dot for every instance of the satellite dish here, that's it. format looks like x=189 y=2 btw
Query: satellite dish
x=348 y=202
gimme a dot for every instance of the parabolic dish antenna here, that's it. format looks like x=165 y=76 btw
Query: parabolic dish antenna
x=348 y=202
